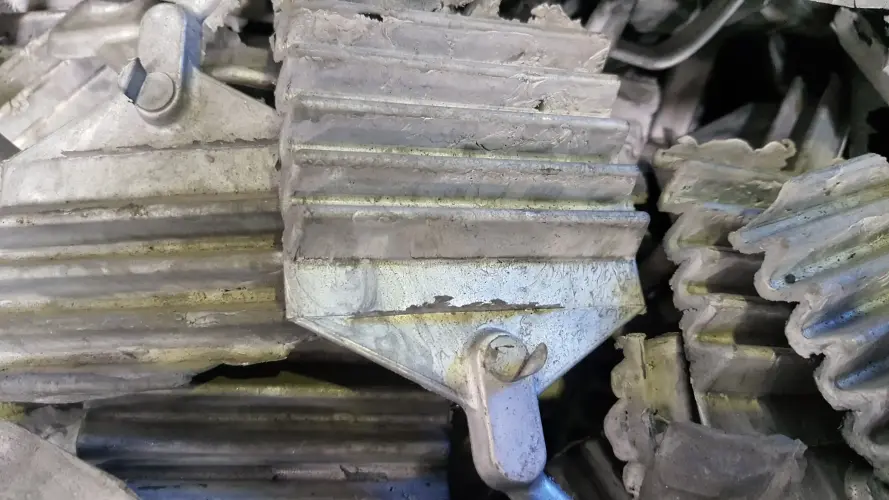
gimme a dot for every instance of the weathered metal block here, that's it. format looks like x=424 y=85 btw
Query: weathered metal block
x=651 y=384
x=744 y=376
x=425 y=212
x=135 y=254
x=273 y=438
x=824 y=243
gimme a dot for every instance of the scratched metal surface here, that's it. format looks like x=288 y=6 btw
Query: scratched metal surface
x=823 y=241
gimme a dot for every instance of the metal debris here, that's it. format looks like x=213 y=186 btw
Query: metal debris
x=440 y=195
x=37 y=470
x=823 y=240
x=651 y=384
x=140 y=246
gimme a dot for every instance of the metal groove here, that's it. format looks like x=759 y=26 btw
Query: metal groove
x=824 y=246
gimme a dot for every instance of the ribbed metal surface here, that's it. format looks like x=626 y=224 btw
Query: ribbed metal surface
x=824 y=243
x=469 y=157
x=744 y=376
x=285 y=437
x=135 y=255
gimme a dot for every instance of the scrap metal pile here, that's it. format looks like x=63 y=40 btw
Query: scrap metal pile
x=431 y=249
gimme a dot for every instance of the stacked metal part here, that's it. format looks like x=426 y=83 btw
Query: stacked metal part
x=64 y=74
x=451 y=206
x=285 y=437
x=140 y=243
x=824 y=244
x=741 y=370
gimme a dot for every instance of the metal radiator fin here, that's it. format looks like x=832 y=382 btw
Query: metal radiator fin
x=824 y=243
x=744 y=376
x=446 y=177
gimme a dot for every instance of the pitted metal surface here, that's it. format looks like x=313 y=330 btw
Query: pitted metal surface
x=744 y=376
x=451 y=208
x=823 y=243
x=135 y=254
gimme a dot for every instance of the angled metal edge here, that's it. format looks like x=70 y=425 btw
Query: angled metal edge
x=823 y=240
x=743 y=375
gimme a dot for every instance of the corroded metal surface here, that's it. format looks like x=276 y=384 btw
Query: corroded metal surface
x=136 y=254
x=744 y=376
x=824 y=240
x=450 y=204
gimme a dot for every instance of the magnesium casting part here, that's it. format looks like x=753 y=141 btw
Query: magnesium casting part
x=284 y=437
x=450 y=207
x=38 y=470
x=651 y=384
x=684 y=43
x=824 y=240
x=585 y=471
x=683 y=94
x=92 y=24
x=135 y=254
x=39 y=92
x=744 y=377
x=866 y=46
x=694 y=462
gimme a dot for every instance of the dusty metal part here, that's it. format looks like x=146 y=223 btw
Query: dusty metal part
x=449 y=208
x=744 y=377
x=695 y=462
x=137 y=253
x=857 y=4
x=682 y=96
x=866 y=46
x=637 y=102
x=284 y=437
x=861 y=484
x=58 y=78
x=682 y=44
x=37 y=470
x=823 y=240
x=651 y=384
x=585 y=471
